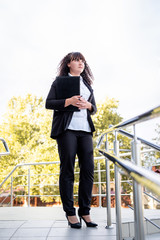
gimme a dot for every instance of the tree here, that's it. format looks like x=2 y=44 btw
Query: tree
x=26 y=128
x=107 y=115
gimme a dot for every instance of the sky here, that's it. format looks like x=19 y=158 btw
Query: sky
x=119 y=39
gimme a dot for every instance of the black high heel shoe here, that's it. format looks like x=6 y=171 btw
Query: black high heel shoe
x=73 y=225
x=88 y=224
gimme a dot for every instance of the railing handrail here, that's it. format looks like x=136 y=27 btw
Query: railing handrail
x=149 y=195
x=146 y=142
x=142 y=140
x=20 y=165
x=153 y=113
x=140 y=175
x=143 y=176
x=35 y=163
x=6 y=147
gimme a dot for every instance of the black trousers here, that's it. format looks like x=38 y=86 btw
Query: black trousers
x=71 y=143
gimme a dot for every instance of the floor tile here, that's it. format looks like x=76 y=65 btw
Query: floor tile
x=155 y=236
x=99 y=231
x=11 y=224
x=38 y=224
x=4 y=238
x=5 y=232
x=66 y=232
x=31 y=232
x=100 y=238
x=60 y=224
x=66 y=238
x=84 y=238
x=28 y=238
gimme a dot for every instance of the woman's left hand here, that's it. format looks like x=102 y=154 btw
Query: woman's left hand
x=83 y=104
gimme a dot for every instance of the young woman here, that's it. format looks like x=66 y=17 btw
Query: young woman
x=73 y=133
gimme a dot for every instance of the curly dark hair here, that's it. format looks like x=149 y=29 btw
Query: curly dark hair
x=63 y=69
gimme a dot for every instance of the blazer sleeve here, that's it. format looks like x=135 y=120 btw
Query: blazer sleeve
x=94 y=107
x=52 y=102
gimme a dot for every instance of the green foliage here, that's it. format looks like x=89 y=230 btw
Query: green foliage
x=26 y=129
x=106 y=115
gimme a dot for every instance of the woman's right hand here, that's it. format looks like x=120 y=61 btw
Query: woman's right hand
x=73 y=101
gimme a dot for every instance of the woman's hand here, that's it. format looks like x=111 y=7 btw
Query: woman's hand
x=83 y=104
x=73 y=101
x=78 y=101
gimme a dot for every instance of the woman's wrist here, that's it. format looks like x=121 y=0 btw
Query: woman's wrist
x=89 y=106
x=67 y=102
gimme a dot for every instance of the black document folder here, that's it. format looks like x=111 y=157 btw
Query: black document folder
x=67 y=87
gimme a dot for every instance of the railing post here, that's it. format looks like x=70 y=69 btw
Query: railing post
x=99 y=183
x=117 y=192
x=29 y=187
x=11 y=191
x=137 y=193
x=108 y=190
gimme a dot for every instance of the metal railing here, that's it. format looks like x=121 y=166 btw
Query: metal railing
x=141 y=177
x=12 y=177
x=136 y=171
x=13 y=183
x=5 y=146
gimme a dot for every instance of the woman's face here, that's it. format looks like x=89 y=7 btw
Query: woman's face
x=76 y=67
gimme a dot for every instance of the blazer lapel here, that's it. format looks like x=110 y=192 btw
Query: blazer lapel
x=90 y=89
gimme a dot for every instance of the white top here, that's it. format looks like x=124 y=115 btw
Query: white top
x=79 y=119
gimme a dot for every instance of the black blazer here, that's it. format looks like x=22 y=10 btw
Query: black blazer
x=61 y=118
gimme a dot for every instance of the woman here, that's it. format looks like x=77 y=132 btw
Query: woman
x=73 y=133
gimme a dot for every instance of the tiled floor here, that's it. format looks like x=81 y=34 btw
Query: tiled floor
x=48 y=230
x=51 y=230
x=50 y=224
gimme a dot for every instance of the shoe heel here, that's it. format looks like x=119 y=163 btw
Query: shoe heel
x=73 y=225
x=67 y=220
x=88 y=224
